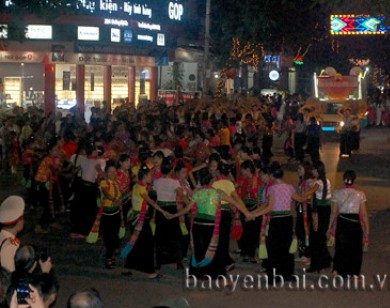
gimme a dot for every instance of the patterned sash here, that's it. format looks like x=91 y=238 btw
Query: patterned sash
x=137 y=230
x=213 y=245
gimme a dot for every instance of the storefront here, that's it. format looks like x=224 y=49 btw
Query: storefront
x=93 y=79
x=87 y=61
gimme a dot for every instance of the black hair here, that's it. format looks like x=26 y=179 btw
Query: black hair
x=25 y=258
x=224 y=151
x=143 y=171
x=215 y=157
x=143 y=153
x=308 y=170
x=349 y=177
x=110 y=163
x=204 y=177
x=224 y=169
x=158 y=154
x=123 y=157
x=265 y=170
x=246 y=150
x=178 y=151
x=166 y=166
x=276 y=170
x=320 y=167
x=180 y=165
x=52 y=143
x=46 y=285
x=248 y=164
x=256 y=150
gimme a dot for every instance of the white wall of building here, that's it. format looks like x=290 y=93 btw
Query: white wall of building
x=189 y=80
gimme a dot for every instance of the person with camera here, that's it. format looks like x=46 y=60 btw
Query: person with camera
x=32 y=271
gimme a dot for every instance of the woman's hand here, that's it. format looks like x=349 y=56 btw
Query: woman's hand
x=167 y=215
x=35 y=300
x=46 y=266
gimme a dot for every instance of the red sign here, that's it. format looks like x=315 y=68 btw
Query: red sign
x=338 y=87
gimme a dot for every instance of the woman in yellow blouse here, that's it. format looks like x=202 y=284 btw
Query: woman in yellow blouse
x=111 y=215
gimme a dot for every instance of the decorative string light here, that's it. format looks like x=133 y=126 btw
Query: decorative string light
x=360 y=62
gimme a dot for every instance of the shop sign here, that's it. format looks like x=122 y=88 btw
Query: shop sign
x=272 y=59
x=3 y=31
x=148 y=26
x=23 y=56
x=39 y=32
x=115 y=35
x=145 y=38
x=128 y=36
x=175 y=11
x=160 y=39
x=88 y=33
x=116 y=22
x=110 y=59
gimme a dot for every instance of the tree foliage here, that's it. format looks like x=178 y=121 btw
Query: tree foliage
x=280 y=25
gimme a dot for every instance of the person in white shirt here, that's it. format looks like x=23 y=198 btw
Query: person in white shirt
x=321 y=188
x=91 y=168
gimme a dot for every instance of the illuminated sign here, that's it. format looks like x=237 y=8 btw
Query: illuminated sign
x=116 y=22
x=160 y=39
x=3 y=31
x=39 y=32
x=162 y=10
x=116 y=7
x=128 y=36
x=115 y=35
x=148 y=26
x=175 y=10
x=88 y=33
x=298 y=61
x=357 y=25
x=145 y=38
x=272 y=59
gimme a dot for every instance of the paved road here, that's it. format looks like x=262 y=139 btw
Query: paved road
x=79 y=265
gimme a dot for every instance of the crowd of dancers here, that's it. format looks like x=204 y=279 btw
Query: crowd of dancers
x=186 y=183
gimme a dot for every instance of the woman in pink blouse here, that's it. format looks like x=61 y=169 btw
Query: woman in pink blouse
x=280 y=232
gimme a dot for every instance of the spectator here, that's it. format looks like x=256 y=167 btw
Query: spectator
x=12 y=222
x=89 y=298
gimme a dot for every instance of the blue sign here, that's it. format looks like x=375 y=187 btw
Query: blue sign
x=128 y=36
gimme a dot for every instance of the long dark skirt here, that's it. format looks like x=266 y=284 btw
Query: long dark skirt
x=299 y=142
x=320 y=257
x=349 y=247
x=267 y=146
x=201 y=235
x=345 y=143
x=250 y=236
x=185 y=239
x=313 y=146
x=110 y=225
x=86 y=208
x=278 y=245
x=224 y=237
x=168 y=238
x=303 y=249
x=141 y=257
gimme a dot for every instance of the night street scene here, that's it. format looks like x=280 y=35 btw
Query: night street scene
x=194 y=153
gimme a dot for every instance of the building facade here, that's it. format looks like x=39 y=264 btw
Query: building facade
x=106 y=51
